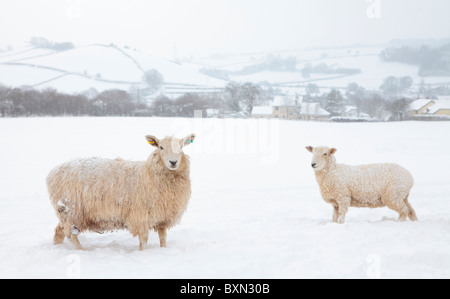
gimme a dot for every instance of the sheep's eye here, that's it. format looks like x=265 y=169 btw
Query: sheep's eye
x=161 y=148
x=325 y=154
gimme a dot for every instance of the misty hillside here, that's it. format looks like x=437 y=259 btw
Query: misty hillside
x=104 y=67
x=327 y=68
x=96 y=66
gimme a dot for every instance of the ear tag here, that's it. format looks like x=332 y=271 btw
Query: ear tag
x=189 y=141
x=151 y=142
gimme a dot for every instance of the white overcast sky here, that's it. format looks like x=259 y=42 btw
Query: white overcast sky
x=221 y=26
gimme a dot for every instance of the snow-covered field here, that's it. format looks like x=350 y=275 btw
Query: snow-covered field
x=90 y=66
x=85 y=67
x=373 y=69
x=255 y=211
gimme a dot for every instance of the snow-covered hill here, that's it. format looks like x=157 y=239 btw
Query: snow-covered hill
x=109 y=66
x=96 y=66
x=373 y=69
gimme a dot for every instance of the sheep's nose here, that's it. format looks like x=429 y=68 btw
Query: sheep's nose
x=173 y=163
x=313 y=165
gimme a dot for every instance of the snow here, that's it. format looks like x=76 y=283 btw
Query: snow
x=262 y=110
x=18 y=75
x=99 y=66
x=373 y=69
x=76 y=84
x=24 y=53
x=313 y=109
x=435 y=107
x=255 y=211
x=419 y=104
x=174 y=72
x=81 y=66
x=92 y=60
x=439 y=105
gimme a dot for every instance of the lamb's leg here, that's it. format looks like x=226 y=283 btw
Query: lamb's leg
x=411 y=214
x=403 y=214
x=394 y=200
x=162 y=233
x=143 y=240
x=344 y=204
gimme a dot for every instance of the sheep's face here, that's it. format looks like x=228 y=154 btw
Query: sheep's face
x=322 y=156
x=170 y=149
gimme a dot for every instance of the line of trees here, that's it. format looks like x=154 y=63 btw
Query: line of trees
x=42 y=42
x=15 y=102
x=432 y=61
x=323 y=68
x=19 y=102
x=387 y=102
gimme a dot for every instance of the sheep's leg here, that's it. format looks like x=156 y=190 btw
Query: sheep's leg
x=162 y=233
x=71 y=232
x=59 y=235
x=76 y=242
x=343 y=204
x=74 y=237
x=335 y=212
x=143 y=240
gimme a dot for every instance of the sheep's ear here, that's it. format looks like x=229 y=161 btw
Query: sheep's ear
x=309 y=149
x=332 y=151
x=152 y=140
x=188 y=139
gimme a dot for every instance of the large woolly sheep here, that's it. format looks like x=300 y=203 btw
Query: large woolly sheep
x=104 y=195
x=371 y=186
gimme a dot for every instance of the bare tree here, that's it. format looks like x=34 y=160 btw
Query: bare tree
x=334 y=103
x=232 y=96
x=251 y=95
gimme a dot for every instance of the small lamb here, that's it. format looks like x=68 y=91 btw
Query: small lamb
x=368 y=186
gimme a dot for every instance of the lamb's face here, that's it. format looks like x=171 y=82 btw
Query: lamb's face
x=170 y=149
x=322 y=156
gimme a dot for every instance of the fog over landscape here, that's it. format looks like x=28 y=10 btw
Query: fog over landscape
x=201 y=27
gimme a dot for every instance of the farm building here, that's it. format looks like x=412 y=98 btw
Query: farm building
x=313 y=111
x=262 y=112
x=428 y=107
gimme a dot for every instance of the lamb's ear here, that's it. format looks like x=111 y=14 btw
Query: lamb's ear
x=188 y=139
x=152 y=140
x=332 y=151
x=309 y=149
